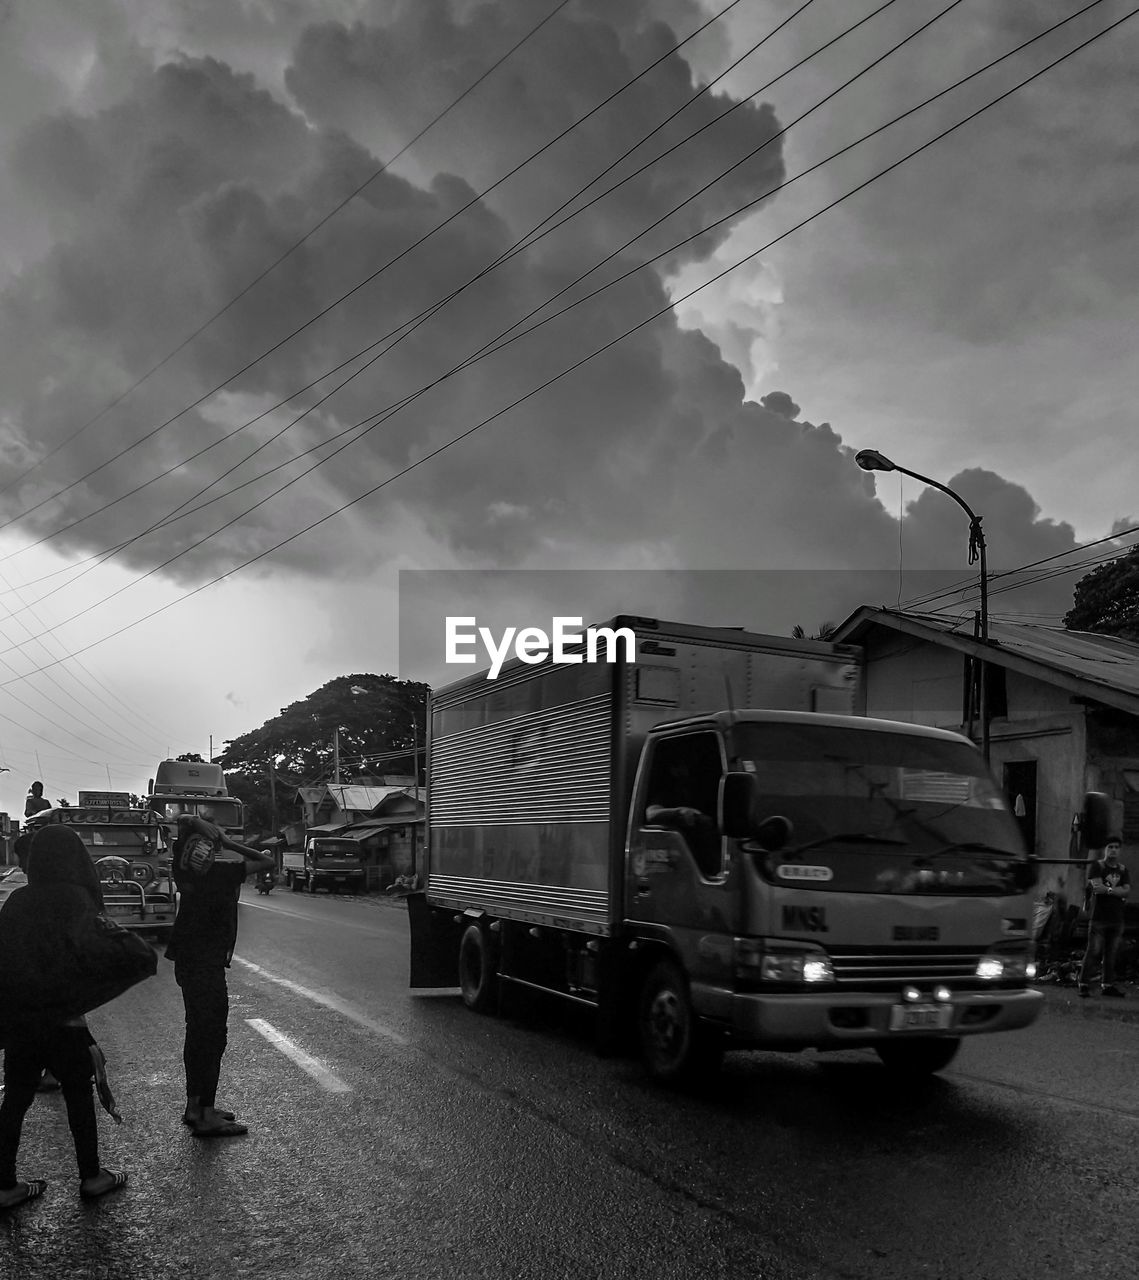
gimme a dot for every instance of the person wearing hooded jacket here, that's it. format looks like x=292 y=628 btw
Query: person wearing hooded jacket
x=52 y=974
x=209 y=870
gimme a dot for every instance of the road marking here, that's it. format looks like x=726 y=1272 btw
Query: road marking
x=247 y=904
x=329 y=1001
x=315 y=1068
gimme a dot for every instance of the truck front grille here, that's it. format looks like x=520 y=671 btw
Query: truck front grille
x=878 y=968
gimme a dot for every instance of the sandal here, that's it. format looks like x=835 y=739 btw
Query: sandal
x=187 y=1118
x=217 y=1128
x=23 y=1192
x=89 y=1192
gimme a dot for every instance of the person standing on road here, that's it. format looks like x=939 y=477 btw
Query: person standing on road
x=1109 y=884
x=209 y=869
x=43 y=928
x=35 y=803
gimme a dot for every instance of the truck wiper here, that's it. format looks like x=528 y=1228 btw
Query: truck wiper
x=970 y=846
x=849 y=837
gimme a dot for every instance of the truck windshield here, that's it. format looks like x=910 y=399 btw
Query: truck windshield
x=879 y=812
x=336 y=848
x=224 y=813
x=128 y=842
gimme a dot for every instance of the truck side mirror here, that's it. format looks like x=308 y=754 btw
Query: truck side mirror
x=1096 y=820
x=738 y=806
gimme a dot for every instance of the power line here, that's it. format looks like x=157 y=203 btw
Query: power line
x=620 y=337
x=967 y=586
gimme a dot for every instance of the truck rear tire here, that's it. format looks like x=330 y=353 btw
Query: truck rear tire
x=477 y=978
x=294 y=883
x=675 y=1047
x=914 y=1058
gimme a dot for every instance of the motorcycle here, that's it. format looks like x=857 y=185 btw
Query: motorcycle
x=265 y=882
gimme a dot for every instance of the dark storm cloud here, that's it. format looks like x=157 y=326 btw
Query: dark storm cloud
x=165 y=203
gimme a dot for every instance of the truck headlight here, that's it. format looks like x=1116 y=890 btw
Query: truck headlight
x=1007 y=965
x=756 y=961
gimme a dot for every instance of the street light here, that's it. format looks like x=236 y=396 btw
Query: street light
x=872 y=460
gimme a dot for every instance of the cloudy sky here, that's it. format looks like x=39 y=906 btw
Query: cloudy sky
x=589 y=271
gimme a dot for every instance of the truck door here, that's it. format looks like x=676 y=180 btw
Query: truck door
x=677 y=872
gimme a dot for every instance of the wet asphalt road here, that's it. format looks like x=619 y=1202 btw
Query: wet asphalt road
x=401 y=1136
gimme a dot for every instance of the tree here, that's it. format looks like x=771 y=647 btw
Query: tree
x=377 y=716
x=1107 y=599
x=825 y=632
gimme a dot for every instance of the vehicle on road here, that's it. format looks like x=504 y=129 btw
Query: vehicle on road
x=182 y=786
x=265 y=882
x=132 y=858
x=326 y=862
x=779 y=875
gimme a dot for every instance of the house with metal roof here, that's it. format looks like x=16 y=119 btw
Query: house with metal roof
x=386 y=818
x=1062 y=710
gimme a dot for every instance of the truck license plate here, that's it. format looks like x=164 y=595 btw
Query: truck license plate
x=920 y=1017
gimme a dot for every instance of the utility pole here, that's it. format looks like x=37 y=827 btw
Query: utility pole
x=336 y=755
x=273 y=795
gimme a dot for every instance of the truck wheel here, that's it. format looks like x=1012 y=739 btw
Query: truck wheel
x=294 y=883
x=676 y=1049
x=477 y=978
x=917 y=1057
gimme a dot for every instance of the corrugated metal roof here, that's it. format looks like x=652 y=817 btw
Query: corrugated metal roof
x=355 y=798
x=1103 y=663
x=359 y=830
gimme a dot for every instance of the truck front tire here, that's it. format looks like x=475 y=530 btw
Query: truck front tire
x=477 y=978
x=675 y=1047
x=916 y=1058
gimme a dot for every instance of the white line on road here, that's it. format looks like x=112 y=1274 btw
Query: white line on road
x=315 y=1068
x=329 y=1001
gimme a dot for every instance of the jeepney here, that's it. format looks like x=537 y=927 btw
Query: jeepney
x=129 y=849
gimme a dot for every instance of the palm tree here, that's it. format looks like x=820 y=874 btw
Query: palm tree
x=825 y=632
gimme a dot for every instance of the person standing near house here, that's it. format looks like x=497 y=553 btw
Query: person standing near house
x=209 y=869
x=35 y=803
x=1109 y=884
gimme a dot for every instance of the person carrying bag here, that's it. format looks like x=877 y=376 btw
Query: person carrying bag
x=59 y=959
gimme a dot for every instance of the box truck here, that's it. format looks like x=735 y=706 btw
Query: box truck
x=703 y=843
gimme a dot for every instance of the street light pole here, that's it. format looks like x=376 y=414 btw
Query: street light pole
x=872 y=460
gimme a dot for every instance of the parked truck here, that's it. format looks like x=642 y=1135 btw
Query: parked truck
x=326 y=862
x=708 y=848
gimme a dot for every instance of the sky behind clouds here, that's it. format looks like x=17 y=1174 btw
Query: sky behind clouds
x=176 y=567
